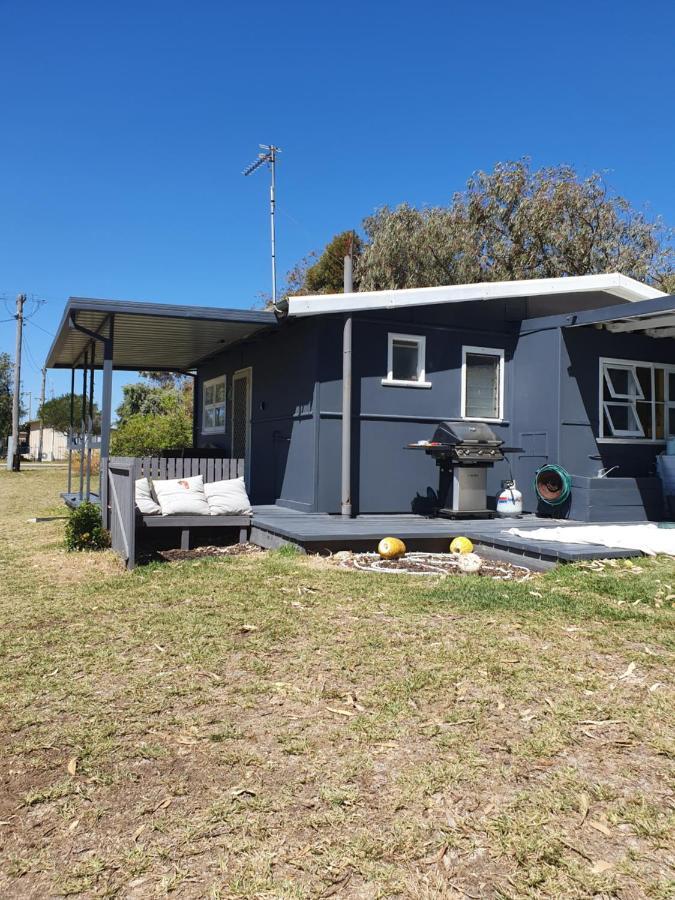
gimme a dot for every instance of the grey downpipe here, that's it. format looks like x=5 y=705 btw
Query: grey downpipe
x=346 y=474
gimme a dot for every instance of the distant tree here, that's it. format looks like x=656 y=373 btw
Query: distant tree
x=323 y=274
x=165 y=379
x=326 y=275
x=5 y=398
x=56 y=413
x=515 y=223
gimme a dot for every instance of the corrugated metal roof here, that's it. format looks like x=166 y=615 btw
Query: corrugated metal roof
x=152 y=335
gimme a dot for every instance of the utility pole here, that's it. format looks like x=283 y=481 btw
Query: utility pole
x=16 y=399
x=42 y=403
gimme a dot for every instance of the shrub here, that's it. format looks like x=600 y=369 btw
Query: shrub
x=84 y=530
x=141 y=434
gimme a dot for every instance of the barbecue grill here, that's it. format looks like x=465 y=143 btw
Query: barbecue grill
x=464 y=451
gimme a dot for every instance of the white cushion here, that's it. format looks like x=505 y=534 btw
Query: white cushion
x=228 y=498
x=144 y=499
x=182 y=496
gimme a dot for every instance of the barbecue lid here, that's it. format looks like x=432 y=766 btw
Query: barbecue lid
x=464 y=433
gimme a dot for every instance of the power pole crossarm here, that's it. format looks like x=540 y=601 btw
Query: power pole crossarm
x=16 y=399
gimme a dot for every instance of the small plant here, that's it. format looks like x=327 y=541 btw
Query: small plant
x=84 y=530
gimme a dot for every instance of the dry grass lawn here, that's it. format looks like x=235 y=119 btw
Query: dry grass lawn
x=270 y=726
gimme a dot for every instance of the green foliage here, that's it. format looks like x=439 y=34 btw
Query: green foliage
x=144 y=433
x=153 y=416
x=55 y=413
x=84 y=530
x=515 y=223
x=5 y=398
x=326 y=276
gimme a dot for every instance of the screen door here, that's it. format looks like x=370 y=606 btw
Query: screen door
x=241 y=418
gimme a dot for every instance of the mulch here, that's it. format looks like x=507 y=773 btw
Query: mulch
x=202 y=552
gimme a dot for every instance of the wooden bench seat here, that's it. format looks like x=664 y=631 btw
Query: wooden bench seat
x=187 y=523
x=126 y=523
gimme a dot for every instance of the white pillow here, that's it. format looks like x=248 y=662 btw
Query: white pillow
x=228 y=498
x=145 y=502
x=182 y=496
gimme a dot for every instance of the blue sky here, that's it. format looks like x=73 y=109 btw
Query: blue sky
x=125 y=127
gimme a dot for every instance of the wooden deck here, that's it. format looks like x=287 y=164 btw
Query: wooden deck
x=274 y=526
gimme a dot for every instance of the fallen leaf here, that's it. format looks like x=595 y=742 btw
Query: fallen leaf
x=73 y=825
x=629 y=671
x=341 y=712
x=163 y=804
x=72 y=765
x=240 y=792
x=601 y=827
x=600 y=866
x=656 y=686
x=583 y=807
x=139 y=831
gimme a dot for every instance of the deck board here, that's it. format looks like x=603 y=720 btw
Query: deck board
x=316 y=531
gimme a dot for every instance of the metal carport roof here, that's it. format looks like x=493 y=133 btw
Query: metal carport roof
x=156 y=336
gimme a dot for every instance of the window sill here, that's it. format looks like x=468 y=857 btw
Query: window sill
x=212 y=431
x=631 y=440
x=484 y=419
x=392 y=382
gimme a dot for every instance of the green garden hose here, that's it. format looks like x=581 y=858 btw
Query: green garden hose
x=553 y=485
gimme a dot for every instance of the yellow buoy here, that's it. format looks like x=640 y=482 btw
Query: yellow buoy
x=391 y=548
x=461 y=545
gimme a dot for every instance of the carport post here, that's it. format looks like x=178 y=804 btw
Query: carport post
x=346 y=473
x=70 y=429
x=106 y=415
x=85 y=369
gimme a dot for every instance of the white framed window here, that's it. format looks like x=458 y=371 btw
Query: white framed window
x=213 y=406
x=482 y=384
x=636 y=401
x=406 y=361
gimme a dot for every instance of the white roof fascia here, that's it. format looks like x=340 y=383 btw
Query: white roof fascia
x=614 y=283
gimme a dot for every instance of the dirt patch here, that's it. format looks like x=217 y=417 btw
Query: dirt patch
x=245 y=549
x=438 y=564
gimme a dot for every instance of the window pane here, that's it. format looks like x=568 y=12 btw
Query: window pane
x=219 y=392
x=623 y=383
x=659 y=385
x=405 y=355
x=671 y=421
x=644 y=411
x=622 y=417
x=645 y=379
x=671 y=386
x=209 y=417
x=482 y=386
x=660 y=418
x=219 y=415
x=208 y=394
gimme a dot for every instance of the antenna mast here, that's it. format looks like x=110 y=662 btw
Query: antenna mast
x=268 y=155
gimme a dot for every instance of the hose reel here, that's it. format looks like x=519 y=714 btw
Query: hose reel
x=553 y=485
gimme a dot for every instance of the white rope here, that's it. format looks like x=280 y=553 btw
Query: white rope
x=434 y=564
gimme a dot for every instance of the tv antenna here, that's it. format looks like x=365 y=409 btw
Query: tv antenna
x=268 y=155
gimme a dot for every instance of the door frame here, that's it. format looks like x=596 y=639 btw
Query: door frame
x=247 y=373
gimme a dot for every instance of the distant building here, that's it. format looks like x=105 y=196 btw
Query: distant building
x=54 y=443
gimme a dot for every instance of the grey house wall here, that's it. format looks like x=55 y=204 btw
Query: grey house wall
x=556 y=416
x=550 y=404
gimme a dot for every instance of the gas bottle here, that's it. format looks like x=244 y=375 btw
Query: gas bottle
x=510 y=501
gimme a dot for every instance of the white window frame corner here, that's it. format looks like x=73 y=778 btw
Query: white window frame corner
x=203 y=429
x=483 y=351
x=421 y=341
